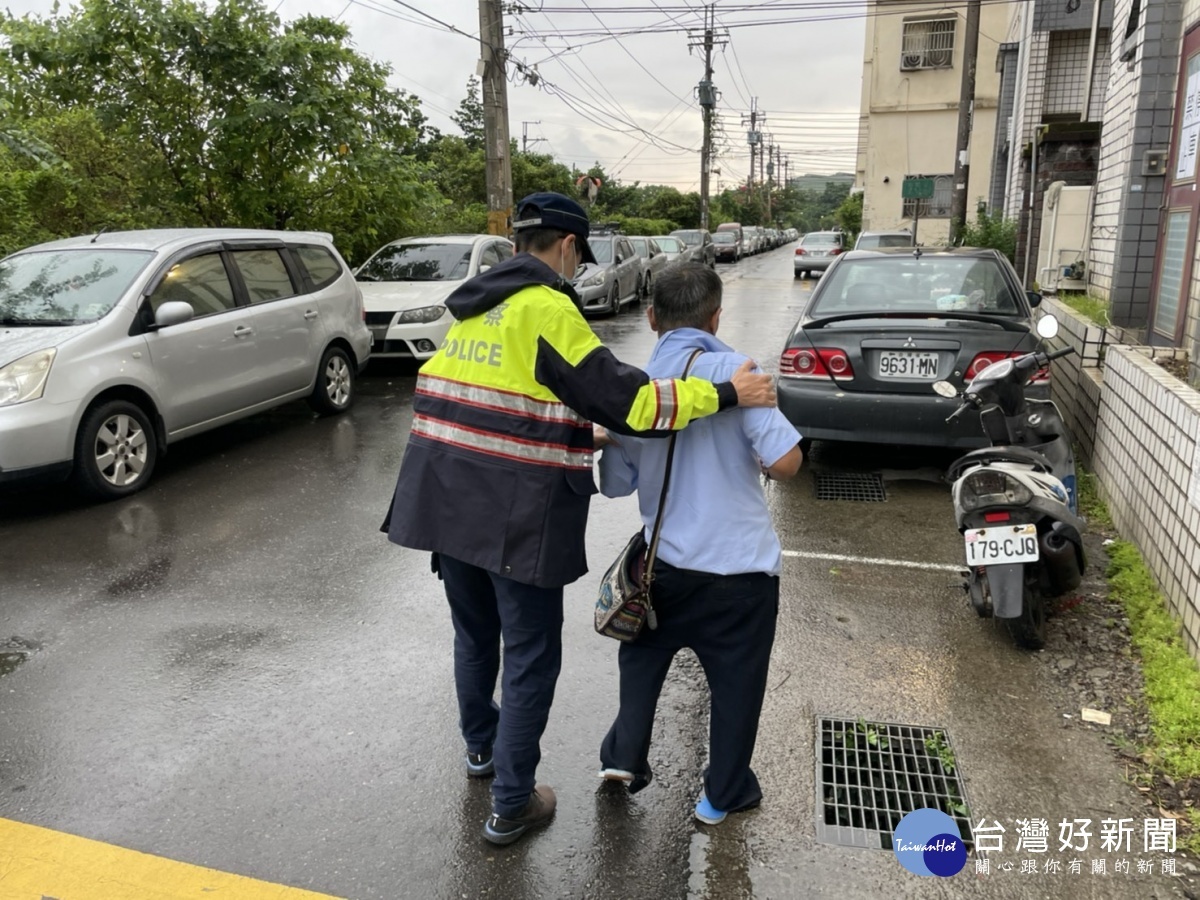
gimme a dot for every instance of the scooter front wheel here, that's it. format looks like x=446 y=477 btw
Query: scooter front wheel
x=1028 y=630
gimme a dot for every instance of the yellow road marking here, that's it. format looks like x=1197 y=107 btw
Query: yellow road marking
x=40 y=864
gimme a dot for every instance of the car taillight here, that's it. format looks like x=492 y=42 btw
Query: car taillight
x=824 y=362
x=983 y=360
x=800 y=251
x=835 y=251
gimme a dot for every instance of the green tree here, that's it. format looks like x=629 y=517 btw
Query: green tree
x=849 y=215
x=248 y=121
x=469 y=118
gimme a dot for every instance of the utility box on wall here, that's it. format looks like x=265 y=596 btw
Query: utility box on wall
x=1065 y=233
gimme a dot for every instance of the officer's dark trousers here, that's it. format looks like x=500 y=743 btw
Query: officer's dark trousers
x=729 y=623
x=485 y=607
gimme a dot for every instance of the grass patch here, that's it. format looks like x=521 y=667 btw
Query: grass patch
x=1089 y=307
x=1171 y=675
x=1091 y=504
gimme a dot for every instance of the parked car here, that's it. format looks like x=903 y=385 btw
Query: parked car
x=878 y=240
x=114 y=346
x=405 y=285
x=673 y=248
x=653 y=260
x=728 y=246
x=817 y=250
x=614 y=279
x=758 y=238
x=883 y=325
x=743 y=236
x=700 y=241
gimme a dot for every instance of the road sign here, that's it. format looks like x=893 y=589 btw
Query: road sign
x=917 y=189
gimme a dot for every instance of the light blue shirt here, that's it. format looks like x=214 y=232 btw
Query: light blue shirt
x=716 y=518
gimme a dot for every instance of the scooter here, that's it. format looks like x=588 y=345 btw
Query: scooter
x=1015 y=501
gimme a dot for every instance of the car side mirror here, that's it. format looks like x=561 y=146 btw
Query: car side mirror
x=173 y=312
x=1035 y=299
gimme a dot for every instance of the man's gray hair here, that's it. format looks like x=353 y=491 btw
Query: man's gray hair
x=686 y=295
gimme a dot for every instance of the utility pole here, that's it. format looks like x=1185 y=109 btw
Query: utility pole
x=526 y=140
x=754 y=139
x=495 y=116
x=770 y=170
x=707 y=95
x=966 y=105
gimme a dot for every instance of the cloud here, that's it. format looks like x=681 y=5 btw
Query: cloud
x=794 y=70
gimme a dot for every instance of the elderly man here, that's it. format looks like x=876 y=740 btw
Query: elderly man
x=716 y=579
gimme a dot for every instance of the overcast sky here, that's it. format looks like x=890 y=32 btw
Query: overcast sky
x=805 y=75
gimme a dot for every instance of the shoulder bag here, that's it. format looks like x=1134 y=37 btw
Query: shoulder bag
x=624 y=605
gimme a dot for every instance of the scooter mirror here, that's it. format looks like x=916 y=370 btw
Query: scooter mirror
x=1047 y=326
x=945 y=389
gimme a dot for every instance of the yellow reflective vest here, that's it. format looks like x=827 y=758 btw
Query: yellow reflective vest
x=498 y=468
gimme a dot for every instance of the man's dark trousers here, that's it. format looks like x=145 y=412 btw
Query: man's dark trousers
x=729 y=623
x=484 y=607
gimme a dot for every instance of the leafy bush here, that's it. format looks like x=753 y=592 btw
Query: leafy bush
x=993 y=232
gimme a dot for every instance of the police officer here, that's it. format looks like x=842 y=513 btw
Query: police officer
x=497 y=478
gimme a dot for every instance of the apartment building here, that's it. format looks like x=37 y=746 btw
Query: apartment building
x=912 y=76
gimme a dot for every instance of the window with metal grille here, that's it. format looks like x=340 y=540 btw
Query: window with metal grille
x=937 y=206
x=1067 y=76
x=928 y=44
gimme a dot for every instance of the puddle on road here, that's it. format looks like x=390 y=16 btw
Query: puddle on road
x=10 y=661
x=13 y=652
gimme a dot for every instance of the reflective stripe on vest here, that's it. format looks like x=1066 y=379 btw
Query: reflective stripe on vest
x=667 y=403
x=502 y=401
x=493 y=444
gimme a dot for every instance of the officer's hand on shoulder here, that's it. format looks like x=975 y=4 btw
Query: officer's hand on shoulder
x=753 y=389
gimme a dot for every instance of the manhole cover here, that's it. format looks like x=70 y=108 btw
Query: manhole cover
x=870 y=775
x=860 y=486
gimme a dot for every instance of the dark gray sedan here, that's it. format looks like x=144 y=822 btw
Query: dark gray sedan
x=883 y=325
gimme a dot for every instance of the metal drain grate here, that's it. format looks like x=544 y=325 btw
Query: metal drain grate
x=861 y=486
x=870 y=775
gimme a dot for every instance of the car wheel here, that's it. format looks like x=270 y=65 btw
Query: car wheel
x=647 y=289
x=115 y=451
x=614 y=301
x=334 y=391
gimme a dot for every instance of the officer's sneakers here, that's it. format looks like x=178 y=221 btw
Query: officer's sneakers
x=479 y=765
x=633 y=782
x=537 y=812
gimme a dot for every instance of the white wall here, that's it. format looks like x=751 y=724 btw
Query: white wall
x=1146 y=444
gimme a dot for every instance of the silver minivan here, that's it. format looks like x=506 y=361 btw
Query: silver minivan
x=113 y=346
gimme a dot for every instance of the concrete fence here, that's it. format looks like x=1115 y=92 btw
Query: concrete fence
x=1138 y=428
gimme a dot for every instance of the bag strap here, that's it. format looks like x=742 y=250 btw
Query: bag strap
x=648 y=574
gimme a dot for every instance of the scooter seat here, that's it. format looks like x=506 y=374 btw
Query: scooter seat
x=985 y=455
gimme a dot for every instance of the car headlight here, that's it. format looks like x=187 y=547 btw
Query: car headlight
x=594 y=280
x=422 y=314
x=25 y=378
x=990 y=487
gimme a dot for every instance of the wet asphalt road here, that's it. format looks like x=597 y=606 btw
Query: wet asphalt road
x=235 y=669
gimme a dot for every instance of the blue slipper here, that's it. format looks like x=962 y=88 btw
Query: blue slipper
x=707 y=813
